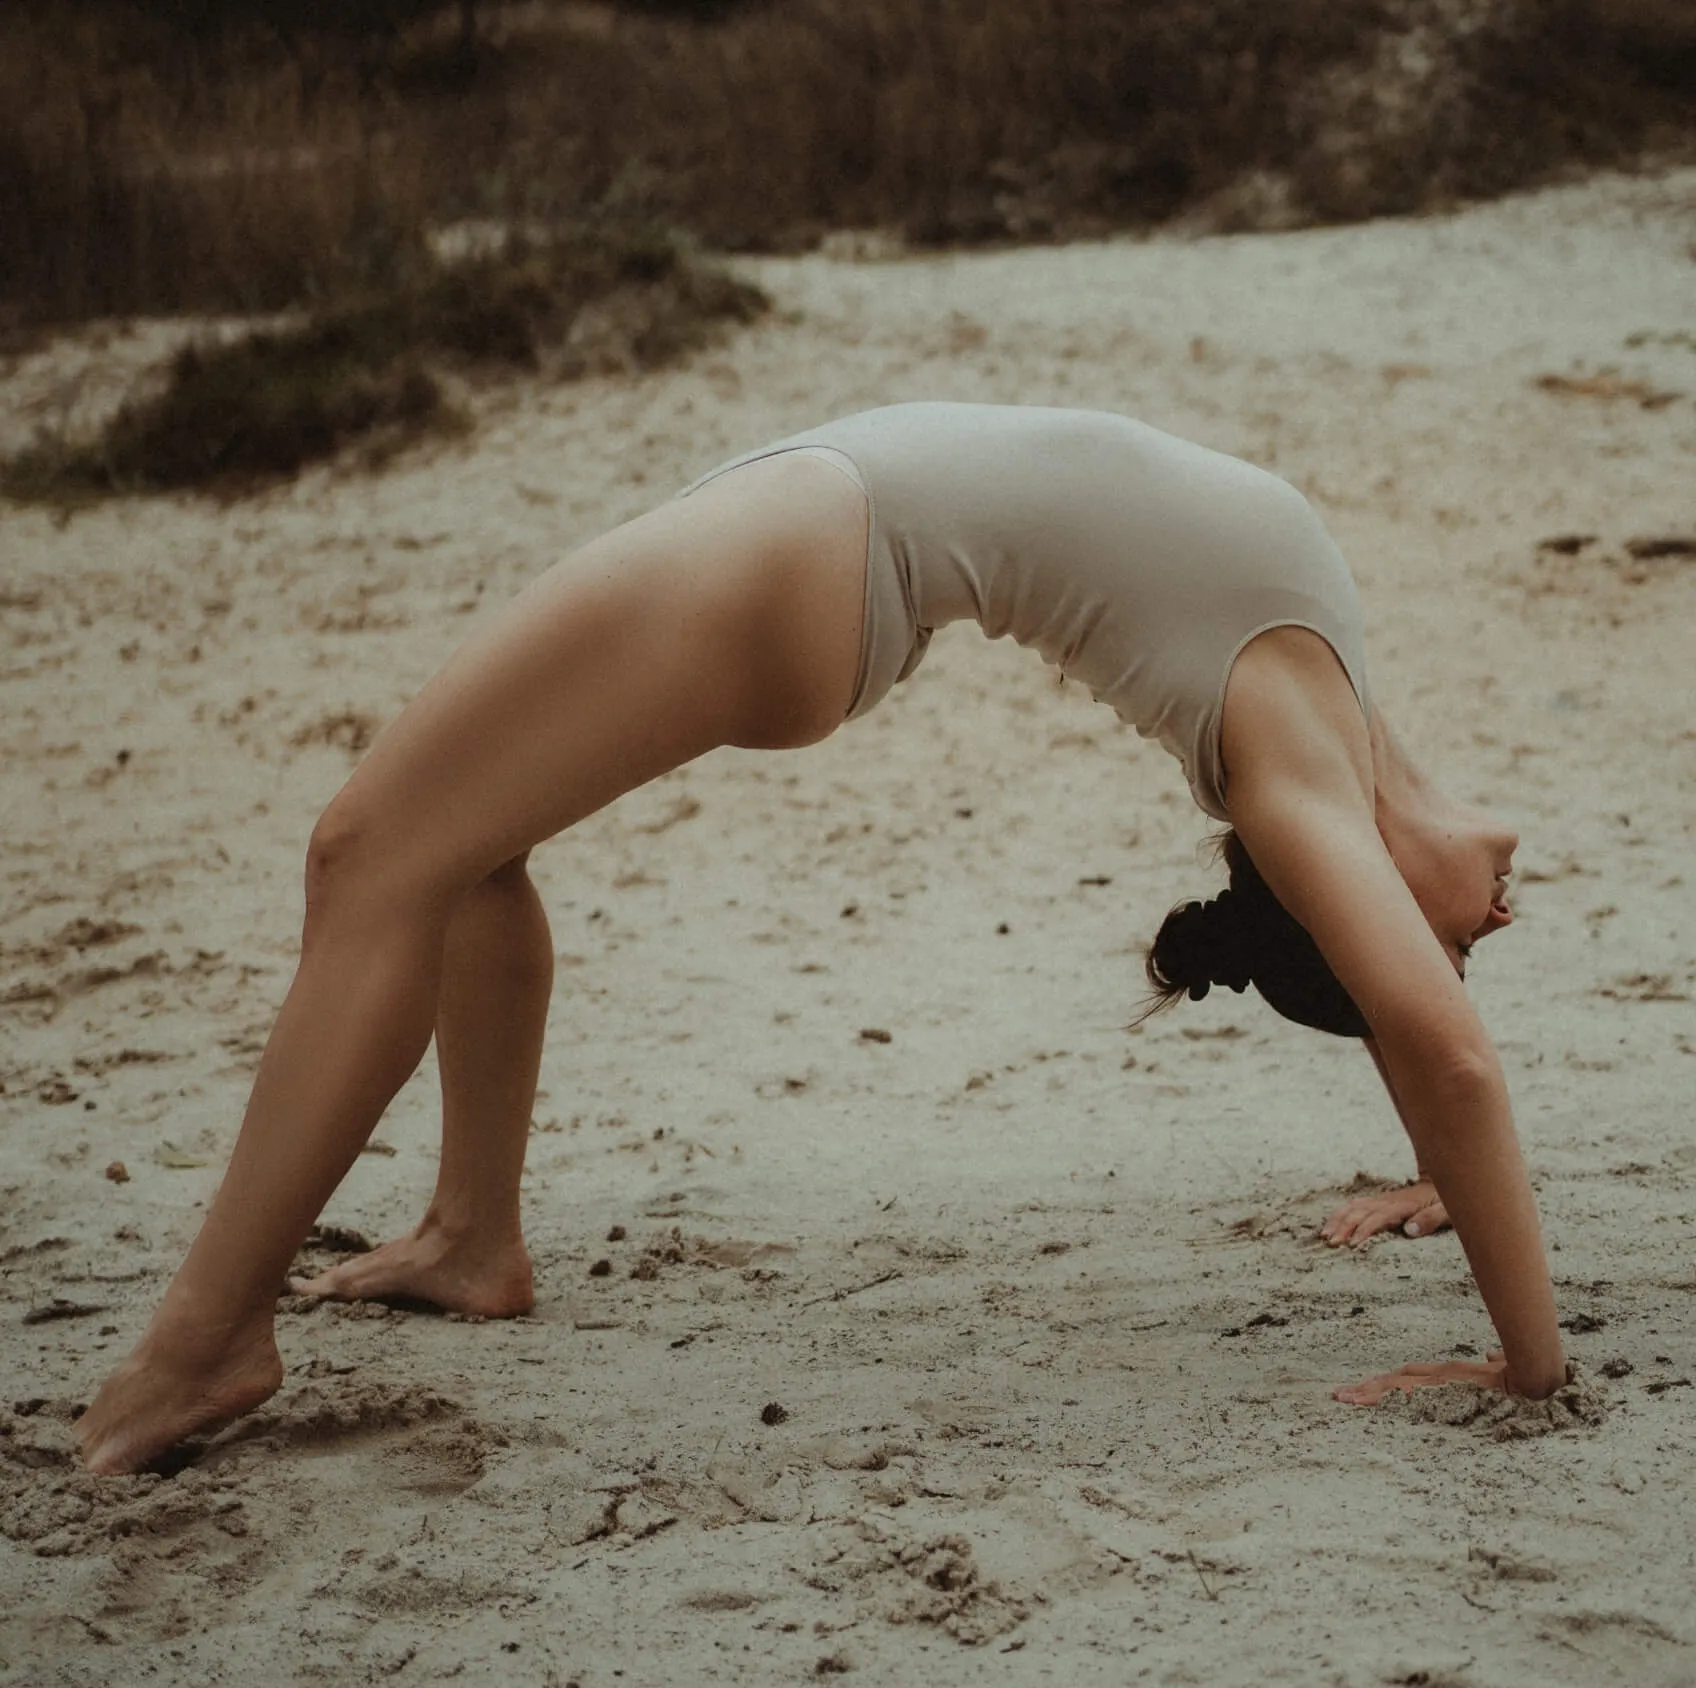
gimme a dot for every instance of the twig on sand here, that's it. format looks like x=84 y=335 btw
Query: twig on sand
x=855 y=1289
x=62 y=1308
x=1196 y=1563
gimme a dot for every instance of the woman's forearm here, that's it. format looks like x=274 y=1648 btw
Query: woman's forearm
x=1421 y=1174
x=1461 y=1124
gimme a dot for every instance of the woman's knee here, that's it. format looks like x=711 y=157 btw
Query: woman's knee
x=501 y=918
x=512 y=875
x=346 y=859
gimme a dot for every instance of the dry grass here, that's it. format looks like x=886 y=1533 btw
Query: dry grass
x=147 y=171
x=125 y=189
x=995 y=119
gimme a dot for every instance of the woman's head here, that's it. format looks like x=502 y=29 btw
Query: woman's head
x=1244 y=937
x=1456 y=861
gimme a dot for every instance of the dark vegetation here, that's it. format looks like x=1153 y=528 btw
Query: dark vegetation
x=229 y=415
x=257 y=156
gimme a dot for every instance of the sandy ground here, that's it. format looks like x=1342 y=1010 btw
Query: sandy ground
x=995 y=1346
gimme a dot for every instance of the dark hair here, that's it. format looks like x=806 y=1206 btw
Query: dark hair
x=1244 y=937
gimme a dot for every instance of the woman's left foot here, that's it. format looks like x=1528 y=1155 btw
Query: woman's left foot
x=175 y=1386
x=490 y=1281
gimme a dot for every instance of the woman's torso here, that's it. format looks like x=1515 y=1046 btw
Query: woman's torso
x=1134 y=561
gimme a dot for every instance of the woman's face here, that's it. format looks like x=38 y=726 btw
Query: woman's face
x=1460 y=875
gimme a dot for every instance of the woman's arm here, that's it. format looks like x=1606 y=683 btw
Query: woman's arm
x=1298 y=804
x=1415 y=1206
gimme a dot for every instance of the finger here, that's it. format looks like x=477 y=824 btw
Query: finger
x=1365 y=1394
x=1347 y=1222
x=1373 y=1390
x=1404 y=1378
x=1340 y=1226
x=1350 y=1210
x=1433 y=1216
x=1381 y=1218
x=1388 y=1210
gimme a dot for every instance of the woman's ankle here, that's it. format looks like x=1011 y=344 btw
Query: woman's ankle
x=198 y=1331
x=458 y=1228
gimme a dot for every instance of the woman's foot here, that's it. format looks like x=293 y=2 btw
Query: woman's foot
x=491 y=1280
x=163 y=1394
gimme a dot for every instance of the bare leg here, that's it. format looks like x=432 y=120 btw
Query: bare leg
x=733 y=617
x=468 y=1252
x=355 y=1023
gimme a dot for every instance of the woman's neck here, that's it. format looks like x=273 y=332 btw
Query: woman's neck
x=1399 y=787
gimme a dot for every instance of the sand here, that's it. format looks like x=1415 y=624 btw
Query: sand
x=953 y=1333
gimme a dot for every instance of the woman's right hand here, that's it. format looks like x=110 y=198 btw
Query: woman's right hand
x=1415 y=1207
x=1488 y=1374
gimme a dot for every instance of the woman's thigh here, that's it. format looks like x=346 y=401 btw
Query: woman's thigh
x=637 y=653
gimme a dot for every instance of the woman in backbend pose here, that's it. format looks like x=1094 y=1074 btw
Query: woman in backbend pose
x=786 y=593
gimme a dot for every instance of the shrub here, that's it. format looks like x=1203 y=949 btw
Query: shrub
x=259 y=408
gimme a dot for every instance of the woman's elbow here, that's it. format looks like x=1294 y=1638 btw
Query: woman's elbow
x=1448 y=1070
x=1471 y=1069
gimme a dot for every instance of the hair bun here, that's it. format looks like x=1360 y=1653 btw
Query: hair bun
x=1205 y=944
x=1245 y=936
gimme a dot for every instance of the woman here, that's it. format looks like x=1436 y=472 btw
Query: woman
x=785 y=593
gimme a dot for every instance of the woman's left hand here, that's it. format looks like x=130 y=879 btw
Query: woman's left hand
x=1486 y=1374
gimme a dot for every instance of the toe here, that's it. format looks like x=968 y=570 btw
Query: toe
x=325 y=1285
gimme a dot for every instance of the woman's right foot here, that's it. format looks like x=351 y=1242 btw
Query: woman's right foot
x=157 y=1398
x=490 y=1281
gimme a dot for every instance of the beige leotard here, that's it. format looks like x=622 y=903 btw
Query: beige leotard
x=1134 y=561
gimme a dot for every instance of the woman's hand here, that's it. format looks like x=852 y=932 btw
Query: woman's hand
x=1415 y=1207
x=1488 y=1374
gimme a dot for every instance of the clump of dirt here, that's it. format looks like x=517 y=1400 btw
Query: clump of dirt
x=935 y=1580
x=668 y=1249
x=672 y=1248
x=351 y=730
x=1581 y=1403
x=949 y=1591
x=337 y=1239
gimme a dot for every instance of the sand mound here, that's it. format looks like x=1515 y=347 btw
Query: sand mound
x=1581 y=1403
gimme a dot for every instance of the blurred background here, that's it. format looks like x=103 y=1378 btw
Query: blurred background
x=250 y=154
x=247 y=156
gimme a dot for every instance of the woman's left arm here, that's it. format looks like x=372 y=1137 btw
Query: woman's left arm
x=1315 y=841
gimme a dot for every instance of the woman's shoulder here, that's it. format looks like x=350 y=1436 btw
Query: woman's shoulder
x=1291 y=715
